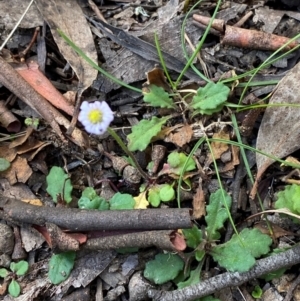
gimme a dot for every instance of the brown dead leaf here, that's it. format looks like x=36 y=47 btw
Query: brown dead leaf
x=156 y=77
x=163 y=134
x=7 y=153
x=229 y=167
x=69 y=18
x=20 y=140
x=182 y=136
x=199 y=204
x=29 y=145
x=218 y=148
x=279 y=132
x=278 y=231
x=19 y=171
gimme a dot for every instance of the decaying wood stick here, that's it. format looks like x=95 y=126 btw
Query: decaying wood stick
x=75 y=219
x=161 y=239
x=246 y=38
x=214 y=284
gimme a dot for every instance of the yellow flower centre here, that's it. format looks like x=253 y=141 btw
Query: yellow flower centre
x=95 y=116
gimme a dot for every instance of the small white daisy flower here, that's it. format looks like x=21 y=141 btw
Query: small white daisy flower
x=95 y=116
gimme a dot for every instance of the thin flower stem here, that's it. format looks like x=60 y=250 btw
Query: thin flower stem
x=128 y=152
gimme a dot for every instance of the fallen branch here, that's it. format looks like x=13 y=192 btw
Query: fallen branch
x=164 y=239
x=75 y=219
x=246 y=38
x=217 y=283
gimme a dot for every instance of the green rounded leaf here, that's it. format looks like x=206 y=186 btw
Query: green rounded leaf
x=3 y=272
x=4 y=164
x=60 y=266
x=163 y=268
x=122 y=201
x=167 y=193
x=89 y=192
x=20 y=268
x=177 y=162
x=174 y=159
x=85 y=203
x=153 y=197
x=14 y=289
x=59 y=184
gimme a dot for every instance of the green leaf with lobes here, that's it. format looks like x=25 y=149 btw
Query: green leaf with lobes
x=163 y=268
x=143 y=132
x=157 y=97
x=289 y=198
x=216 y=213
x=210 y=99
x=239 y=253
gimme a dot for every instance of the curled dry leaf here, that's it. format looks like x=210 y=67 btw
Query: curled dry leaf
x=19 y=171
x=279 y=132
x=8 y=120
x=69 y=18
x=181 y=136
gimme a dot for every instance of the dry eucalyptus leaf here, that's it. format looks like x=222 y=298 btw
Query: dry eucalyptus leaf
x=279 y=132
x=68 y=17
x=11 y=11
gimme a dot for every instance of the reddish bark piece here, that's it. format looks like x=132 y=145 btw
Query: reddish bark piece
x=16 y=84
x=37 y=80
x=279 y=132
x=246 y=38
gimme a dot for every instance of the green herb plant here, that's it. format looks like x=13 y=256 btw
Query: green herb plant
x=61 y=265
x=16 y=269
x=236 y=255
x=240 y=252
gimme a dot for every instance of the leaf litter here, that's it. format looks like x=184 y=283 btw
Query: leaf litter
x=174 y=133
